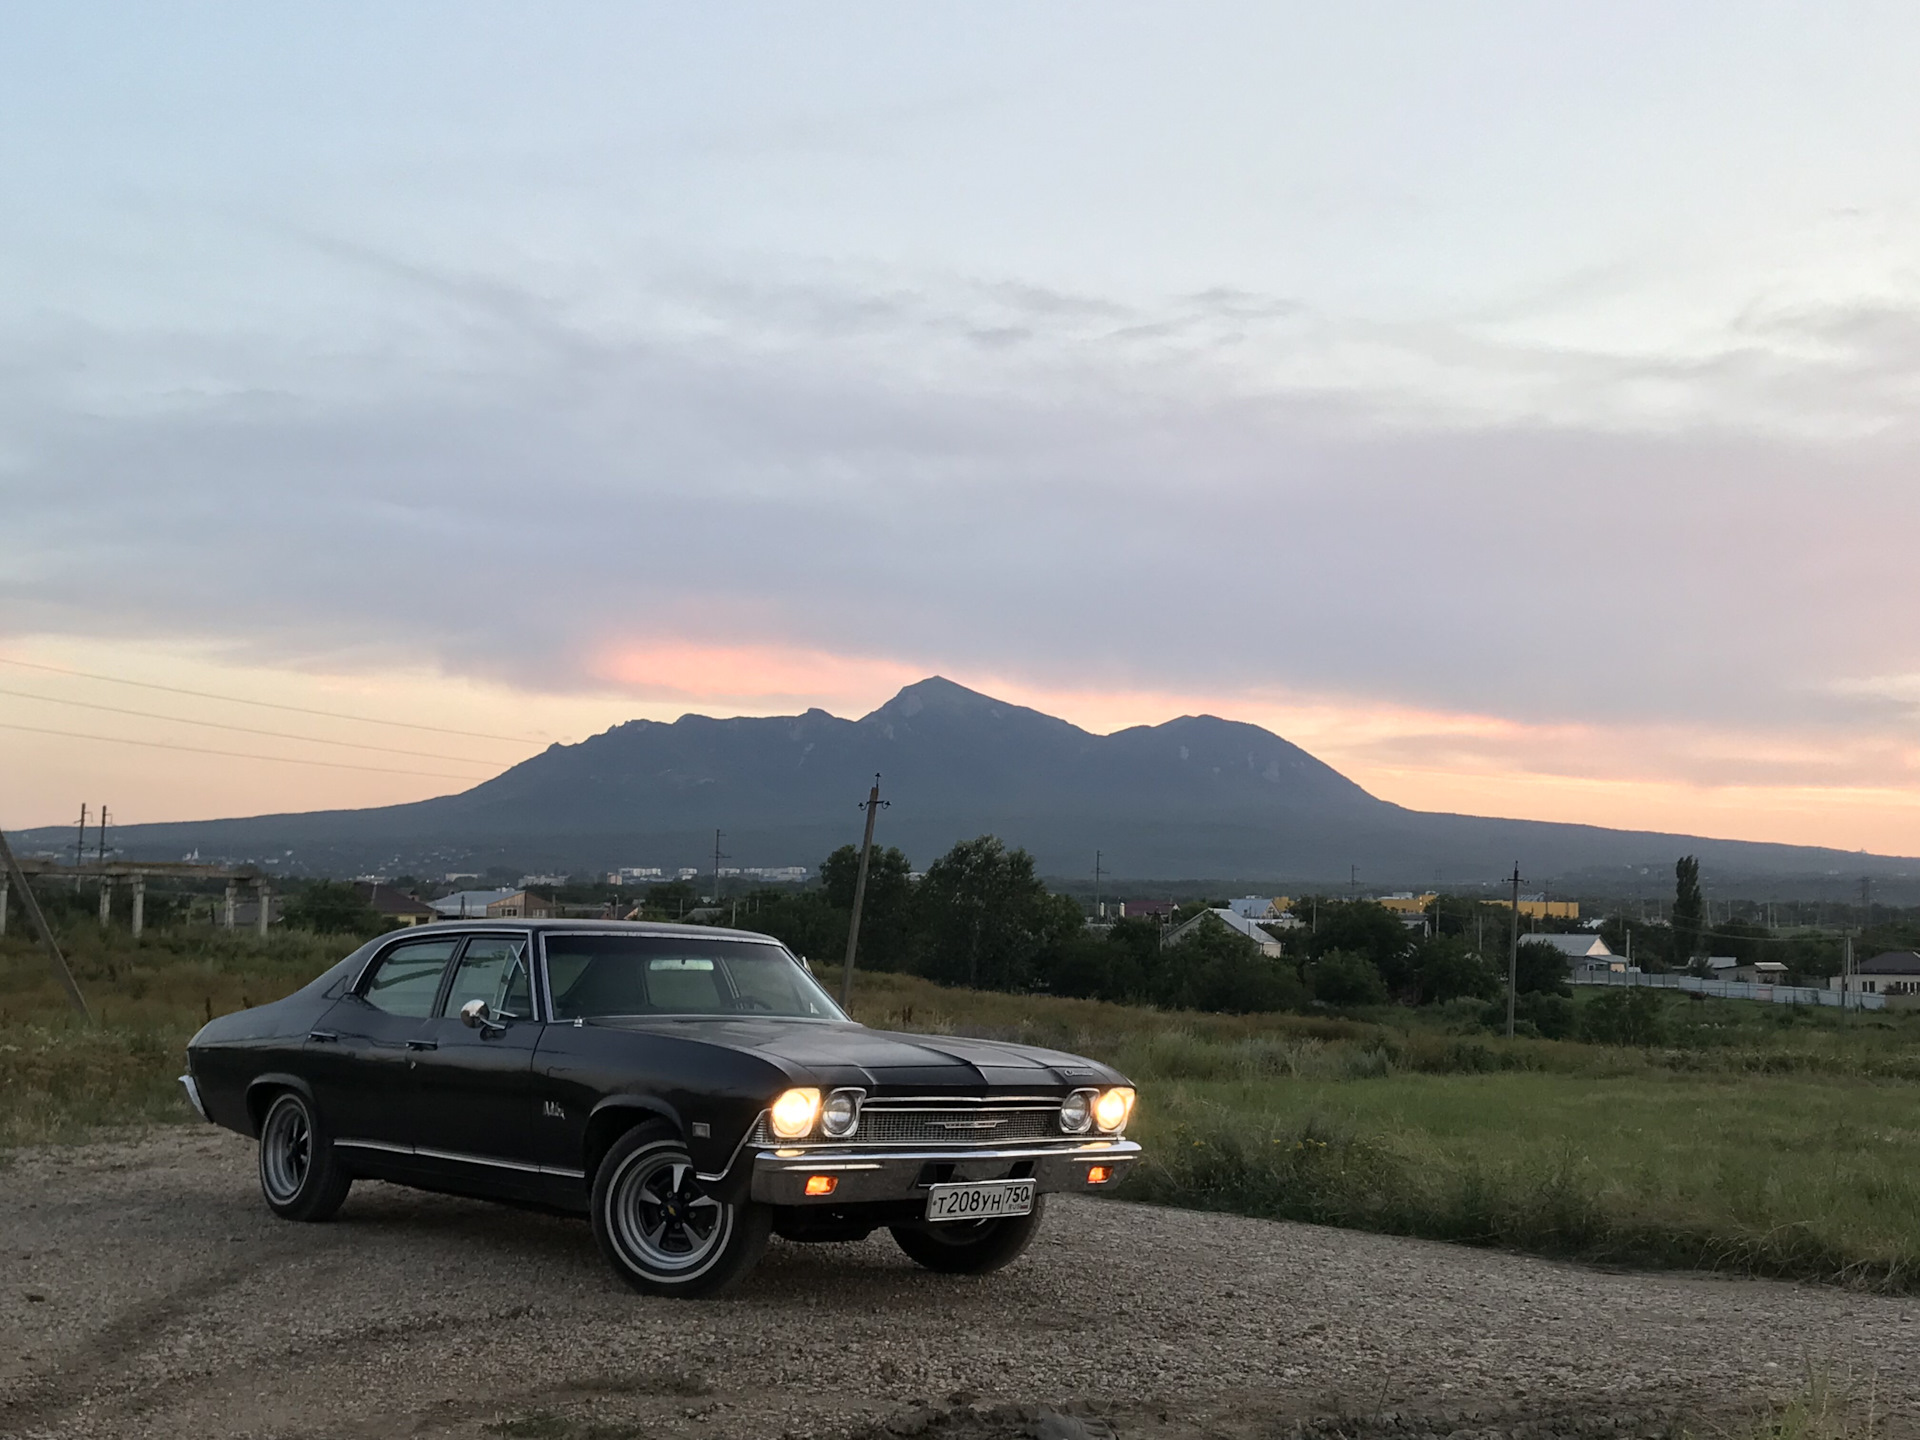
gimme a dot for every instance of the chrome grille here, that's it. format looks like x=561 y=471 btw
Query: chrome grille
x=975 y=1125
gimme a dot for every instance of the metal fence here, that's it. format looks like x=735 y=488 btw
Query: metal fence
x=1738 y=989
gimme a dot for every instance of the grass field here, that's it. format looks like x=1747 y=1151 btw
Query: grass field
x=1758 y=1140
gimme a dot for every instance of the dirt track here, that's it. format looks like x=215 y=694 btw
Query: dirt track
x=144 y=1290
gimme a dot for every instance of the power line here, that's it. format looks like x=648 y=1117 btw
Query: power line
x=242 y=729
x=266 y=704
x=237 y=754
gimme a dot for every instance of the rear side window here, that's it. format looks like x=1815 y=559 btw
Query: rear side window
x=493 y=969
x=408 y=978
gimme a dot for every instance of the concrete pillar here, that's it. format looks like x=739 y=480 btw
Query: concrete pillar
x=226 y=910
x=106 y=900
x=266 y=903
x=139 y=904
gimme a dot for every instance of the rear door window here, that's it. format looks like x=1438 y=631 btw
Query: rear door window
x=407 y=979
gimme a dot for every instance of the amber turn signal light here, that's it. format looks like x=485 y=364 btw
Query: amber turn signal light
x=821 y=1184
x=1099 y=1174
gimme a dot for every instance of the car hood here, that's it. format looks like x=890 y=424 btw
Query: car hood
x=887 y=1059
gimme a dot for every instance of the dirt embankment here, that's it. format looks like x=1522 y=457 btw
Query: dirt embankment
x=144 y=1290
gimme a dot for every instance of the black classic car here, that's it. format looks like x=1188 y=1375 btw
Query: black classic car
x=692 y=1089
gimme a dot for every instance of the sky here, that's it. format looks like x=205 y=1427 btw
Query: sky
x=1512 y=404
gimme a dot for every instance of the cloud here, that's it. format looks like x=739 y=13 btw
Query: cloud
x=835 y=480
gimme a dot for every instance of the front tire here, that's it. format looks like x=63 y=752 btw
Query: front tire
x=299 y=1176
x=970 y=1247
x=659 y=1228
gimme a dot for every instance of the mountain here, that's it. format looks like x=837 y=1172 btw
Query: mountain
x=1195 y=797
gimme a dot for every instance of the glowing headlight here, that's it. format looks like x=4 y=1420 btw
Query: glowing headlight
x=793 y=1114
x=1076 y=1112
x=1112 y=1107
x=841 y=1114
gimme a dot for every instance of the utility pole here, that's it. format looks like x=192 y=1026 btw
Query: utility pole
x=1353 y=881
x=873 y=805
x=1096 y=887
x=718 y=856
x=1846 y=973
x=1513 y=950
x=103 y=835
x=80 y=847
x=32 y=907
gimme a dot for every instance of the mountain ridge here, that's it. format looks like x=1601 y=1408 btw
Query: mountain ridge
x=1194 y=796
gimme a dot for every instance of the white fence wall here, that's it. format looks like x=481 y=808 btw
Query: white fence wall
x=1736 y=989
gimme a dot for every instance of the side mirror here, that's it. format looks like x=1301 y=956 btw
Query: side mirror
x=476 y=1015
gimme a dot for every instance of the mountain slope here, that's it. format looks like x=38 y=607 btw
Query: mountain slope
x=1196 y=796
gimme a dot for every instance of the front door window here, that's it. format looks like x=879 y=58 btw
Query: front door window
x=494 y=969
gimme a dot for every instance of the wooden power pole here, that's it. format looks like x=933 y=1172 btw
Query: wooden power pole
x=32 y=907
x=873 y=805
x=1513 y=950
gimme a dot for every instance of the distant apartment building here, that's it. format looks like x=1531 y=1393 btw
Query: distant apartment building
x=1407 y=903
x=635 y=874
x=526 y=880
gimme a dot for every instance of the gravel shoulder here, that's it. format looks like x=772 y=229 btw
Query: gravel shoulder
x=145 y=1290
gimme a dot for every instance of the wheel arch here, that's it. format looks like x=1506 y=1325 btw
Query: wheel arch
x=614 y=1117
x=261 y=1090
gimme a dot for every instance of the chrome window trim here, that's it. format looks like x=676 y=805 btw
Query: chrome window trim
x=466 y=938
x=546 y=982
x=453 y=931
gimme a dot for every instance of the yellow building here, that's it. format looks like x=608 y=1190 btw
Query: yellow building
x=1531 y=909
x=1545 y=909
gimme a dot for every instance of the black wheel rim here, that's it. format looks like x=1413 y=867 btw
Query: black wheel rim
x=286 y=1151
x=661 y=1216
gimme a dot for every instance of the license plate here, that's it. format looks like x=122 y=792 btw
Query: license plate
x=983 y=1200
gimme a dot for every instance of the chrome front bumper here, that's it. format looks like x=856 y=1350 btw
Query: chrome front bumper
x=780 y=1175
x=193 y=1097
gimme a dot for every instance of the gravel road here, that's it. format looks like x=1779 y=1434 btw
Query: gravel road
x=145 y=1290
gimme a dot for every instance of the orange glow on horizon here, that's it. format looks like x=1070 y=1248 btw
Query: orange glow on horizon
x=1861 y=792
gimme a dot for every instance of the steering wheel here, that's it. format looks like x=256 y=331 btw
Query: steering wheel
x=750 y=1002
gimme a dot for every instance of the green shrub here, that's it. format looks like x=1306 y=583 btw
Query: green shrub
x=1624 y=1017
x=1340 y=977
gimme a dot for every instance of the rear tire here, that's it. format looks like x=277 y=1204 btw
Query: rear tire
x=659 y=1228
x=300 y=1177
x=962 y=1247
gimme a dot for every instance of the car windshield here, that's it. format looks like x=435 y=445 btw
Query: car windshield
x=597 y=975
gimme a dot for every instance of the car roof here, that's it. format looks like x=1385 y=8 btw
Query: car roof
x=612 y=927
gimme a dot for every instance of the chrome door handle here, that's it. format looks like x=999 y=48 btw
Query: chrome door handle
x=323 y=1036
x=423 y=1044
